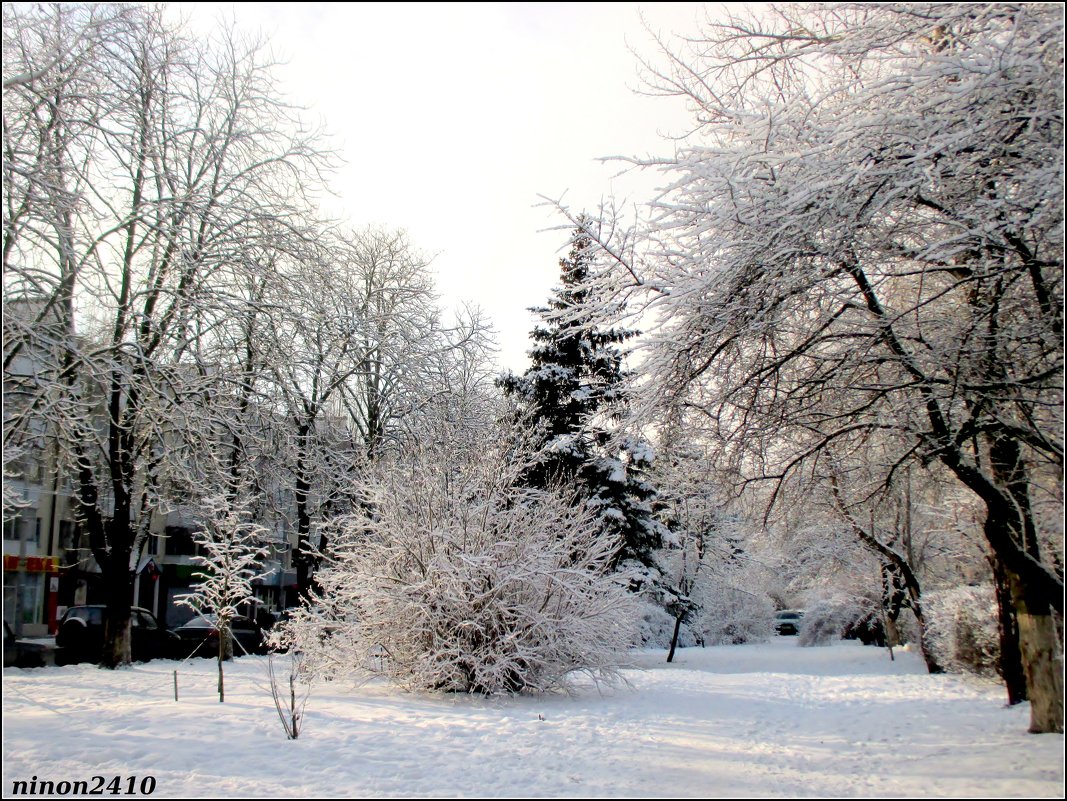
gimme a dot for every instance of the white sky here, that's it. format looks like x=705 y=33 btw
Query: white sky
x=453 y=118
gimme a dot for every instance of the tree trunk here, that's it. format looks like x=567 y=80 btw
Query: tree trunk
x=118 y=646
x=894 y=595
x=225 y=653
x=1042 y=657
x=1008 y=524
x=226 y=642
x=932 y=664
x=222 y=688
x=1011 y=662
x=303 y=558
x=894 y=562
x=674 y=638
x=892 y=634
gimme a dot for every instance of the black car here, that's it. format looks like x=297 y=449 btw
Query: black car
x=20 y=653
x=788 y=621
x=200 y=636
x=80 y=637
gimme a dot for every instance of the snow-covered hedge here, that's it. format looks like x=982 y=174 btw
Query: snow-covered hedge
x=730 y=616
x=452 y=579
x=962 y=628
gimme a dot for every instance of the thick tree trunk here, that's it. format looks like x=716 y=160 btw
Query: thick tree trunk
x=118 y=645
x=1010 y=525
x=303 y=558
x=1042 y=657
x=1011 y=661
x=932 y=664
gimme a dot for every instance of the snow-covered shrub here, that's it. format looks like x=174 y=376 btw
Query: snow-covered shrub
x=658 y=604
x=961 y=628
x=656 y=627
x=731 y=616
x=287 y=701
x=828 y=618
x=871 y=630
x=454 y=579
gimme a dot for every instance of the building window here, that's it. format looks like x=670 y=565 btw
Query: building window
x=179 y=541
x=23 y=598
x=69 y=535
x=31 y=470
x=25 y=529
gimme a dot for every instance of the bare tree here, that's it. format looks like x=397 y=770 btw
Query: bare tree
x=126 y=223
x=357 y=350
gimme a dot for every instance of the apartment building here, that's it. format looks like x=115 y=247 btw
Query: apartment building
x=48 y=565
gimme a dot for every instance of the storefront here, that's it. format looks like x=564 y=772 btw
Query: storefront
x=31 y=593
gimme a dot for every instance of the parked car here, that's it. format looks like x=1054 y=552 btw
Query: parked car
x=788 y=621
x=200 y=636
x=80 y=636
x=20 y=653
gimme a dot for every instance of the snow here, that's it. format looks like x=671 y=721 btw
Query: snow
x=641 y=451
x=732 y=721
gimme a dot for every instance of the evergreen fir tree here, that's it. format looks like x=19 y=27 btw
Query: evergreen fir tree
x=574 y=392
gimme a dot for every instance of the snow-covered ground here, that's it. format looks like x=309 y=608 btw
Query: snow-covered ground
x=751 y=720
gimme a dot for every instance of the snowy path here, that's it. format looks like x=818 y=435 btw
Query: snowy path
x=754 y=720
